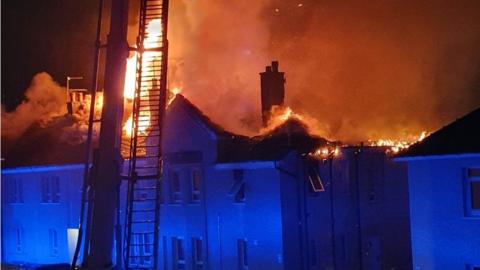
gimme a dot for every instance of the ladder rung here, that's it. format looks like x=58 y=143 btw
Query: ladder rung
x=139 y=245
x=145 y=188
x=148 y=176
x=143 y=177
x=147 y=167
x=144 y=210
x=143 y=221
x=140 y=256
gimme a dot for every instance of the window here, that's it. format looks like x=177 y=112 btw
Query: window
x=315 y=180
x=472 y=192
x=19 y=239
x=238 y=187
x=15 y=191
x=53 y=241
x=175 y=188
x=242 y=254
x=178 y=254
x=196 y=186
x=50 y=189
x=142 y=248
x=197 y=253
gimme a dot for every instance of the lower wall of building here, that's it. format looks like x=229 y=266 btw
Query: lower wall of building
x=443 y=236
x=38 y=208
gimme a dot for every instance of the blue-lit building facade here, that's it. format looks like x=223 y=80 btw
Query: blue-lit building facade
x=444 y=191
x=231 y=202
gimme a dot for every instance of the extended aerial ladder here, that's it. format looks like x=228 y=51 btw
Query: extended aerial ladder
x=145 y=153
x=100 y=190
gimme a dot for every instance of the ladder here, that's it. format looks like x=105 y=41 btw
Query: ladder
x=145 y=154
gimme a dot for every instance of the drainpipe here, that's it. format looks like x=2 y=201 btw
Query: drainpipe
x=358 y=209
x=332 y=212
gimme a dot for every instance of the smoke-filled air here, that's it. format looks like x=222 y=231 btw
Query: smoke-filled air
x=363 y=70
x=355 y=71
x=44 y=100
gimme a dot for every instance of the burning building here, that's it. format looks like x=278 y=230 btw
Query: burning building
x=284 y=199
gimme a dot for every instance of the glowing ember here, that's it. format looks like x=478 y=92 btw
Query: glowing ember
x=172 y=93
x=396 y=146
x=326 y=152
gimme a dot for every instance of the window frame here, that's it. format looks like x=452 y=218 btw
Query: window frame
x=50 y=189
x=140 y=243
x=53 y=241
x=468 y=203
x=178 y=248
x=176 y=196
x=195 y=194
x=19 y=239
x=242 y=254
x=237 y=190
x=15 y=191
x=197 y=257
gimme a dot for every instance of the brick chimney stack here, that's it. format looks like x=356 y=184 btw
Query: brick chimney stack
x=273 y=89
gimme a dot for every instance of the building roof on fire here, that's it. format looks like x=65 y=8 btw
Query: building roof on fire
x=274 y=144
x=47 y=145
x=459 y=137
x=290 y=136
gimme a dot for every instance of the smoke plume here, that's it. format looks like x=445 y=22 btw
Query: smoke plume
x=362 y=70
x=44 y=100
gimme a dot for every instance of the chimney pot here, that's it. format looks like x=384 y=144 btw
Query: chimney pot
x=275 y=66
x=272 y=90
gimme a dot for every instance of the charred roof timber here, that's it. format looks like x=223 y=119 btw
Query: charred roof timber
x=273 y=89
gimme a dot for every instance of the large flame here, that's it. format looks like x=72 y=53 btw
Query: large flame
x=396 y=146
x=280 y=114
x=153 y=40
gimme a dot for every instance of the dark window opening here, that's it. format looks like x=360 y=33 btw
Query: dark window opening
x=53 y=237
x=175 y=187
x=242 y=254
x=472 y=192
x=197 y=256
x=475 y=194
x=15 y=191
x=238 y=187
x=50 y=189
x=196 y=185
x=19 y=239
x=473 y=172
x=178 y=254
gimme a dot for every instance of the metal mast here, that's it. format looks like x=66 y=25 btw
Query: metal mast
x=145 y=155
x=106 y=179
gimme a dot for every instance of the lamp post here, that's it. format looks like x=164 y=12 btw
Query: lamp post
x=69 y=78
x=69 y=101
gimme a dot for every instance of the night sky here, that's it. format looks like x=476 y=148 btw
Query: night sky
x=56 y=36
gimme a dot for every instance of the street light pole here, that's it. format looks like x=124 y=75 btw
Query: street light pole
x=69 y=78
x=69 y=101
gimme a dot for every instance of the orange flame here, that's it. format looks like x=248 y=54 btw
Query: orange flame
x=396 y=146
x=154 y=29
